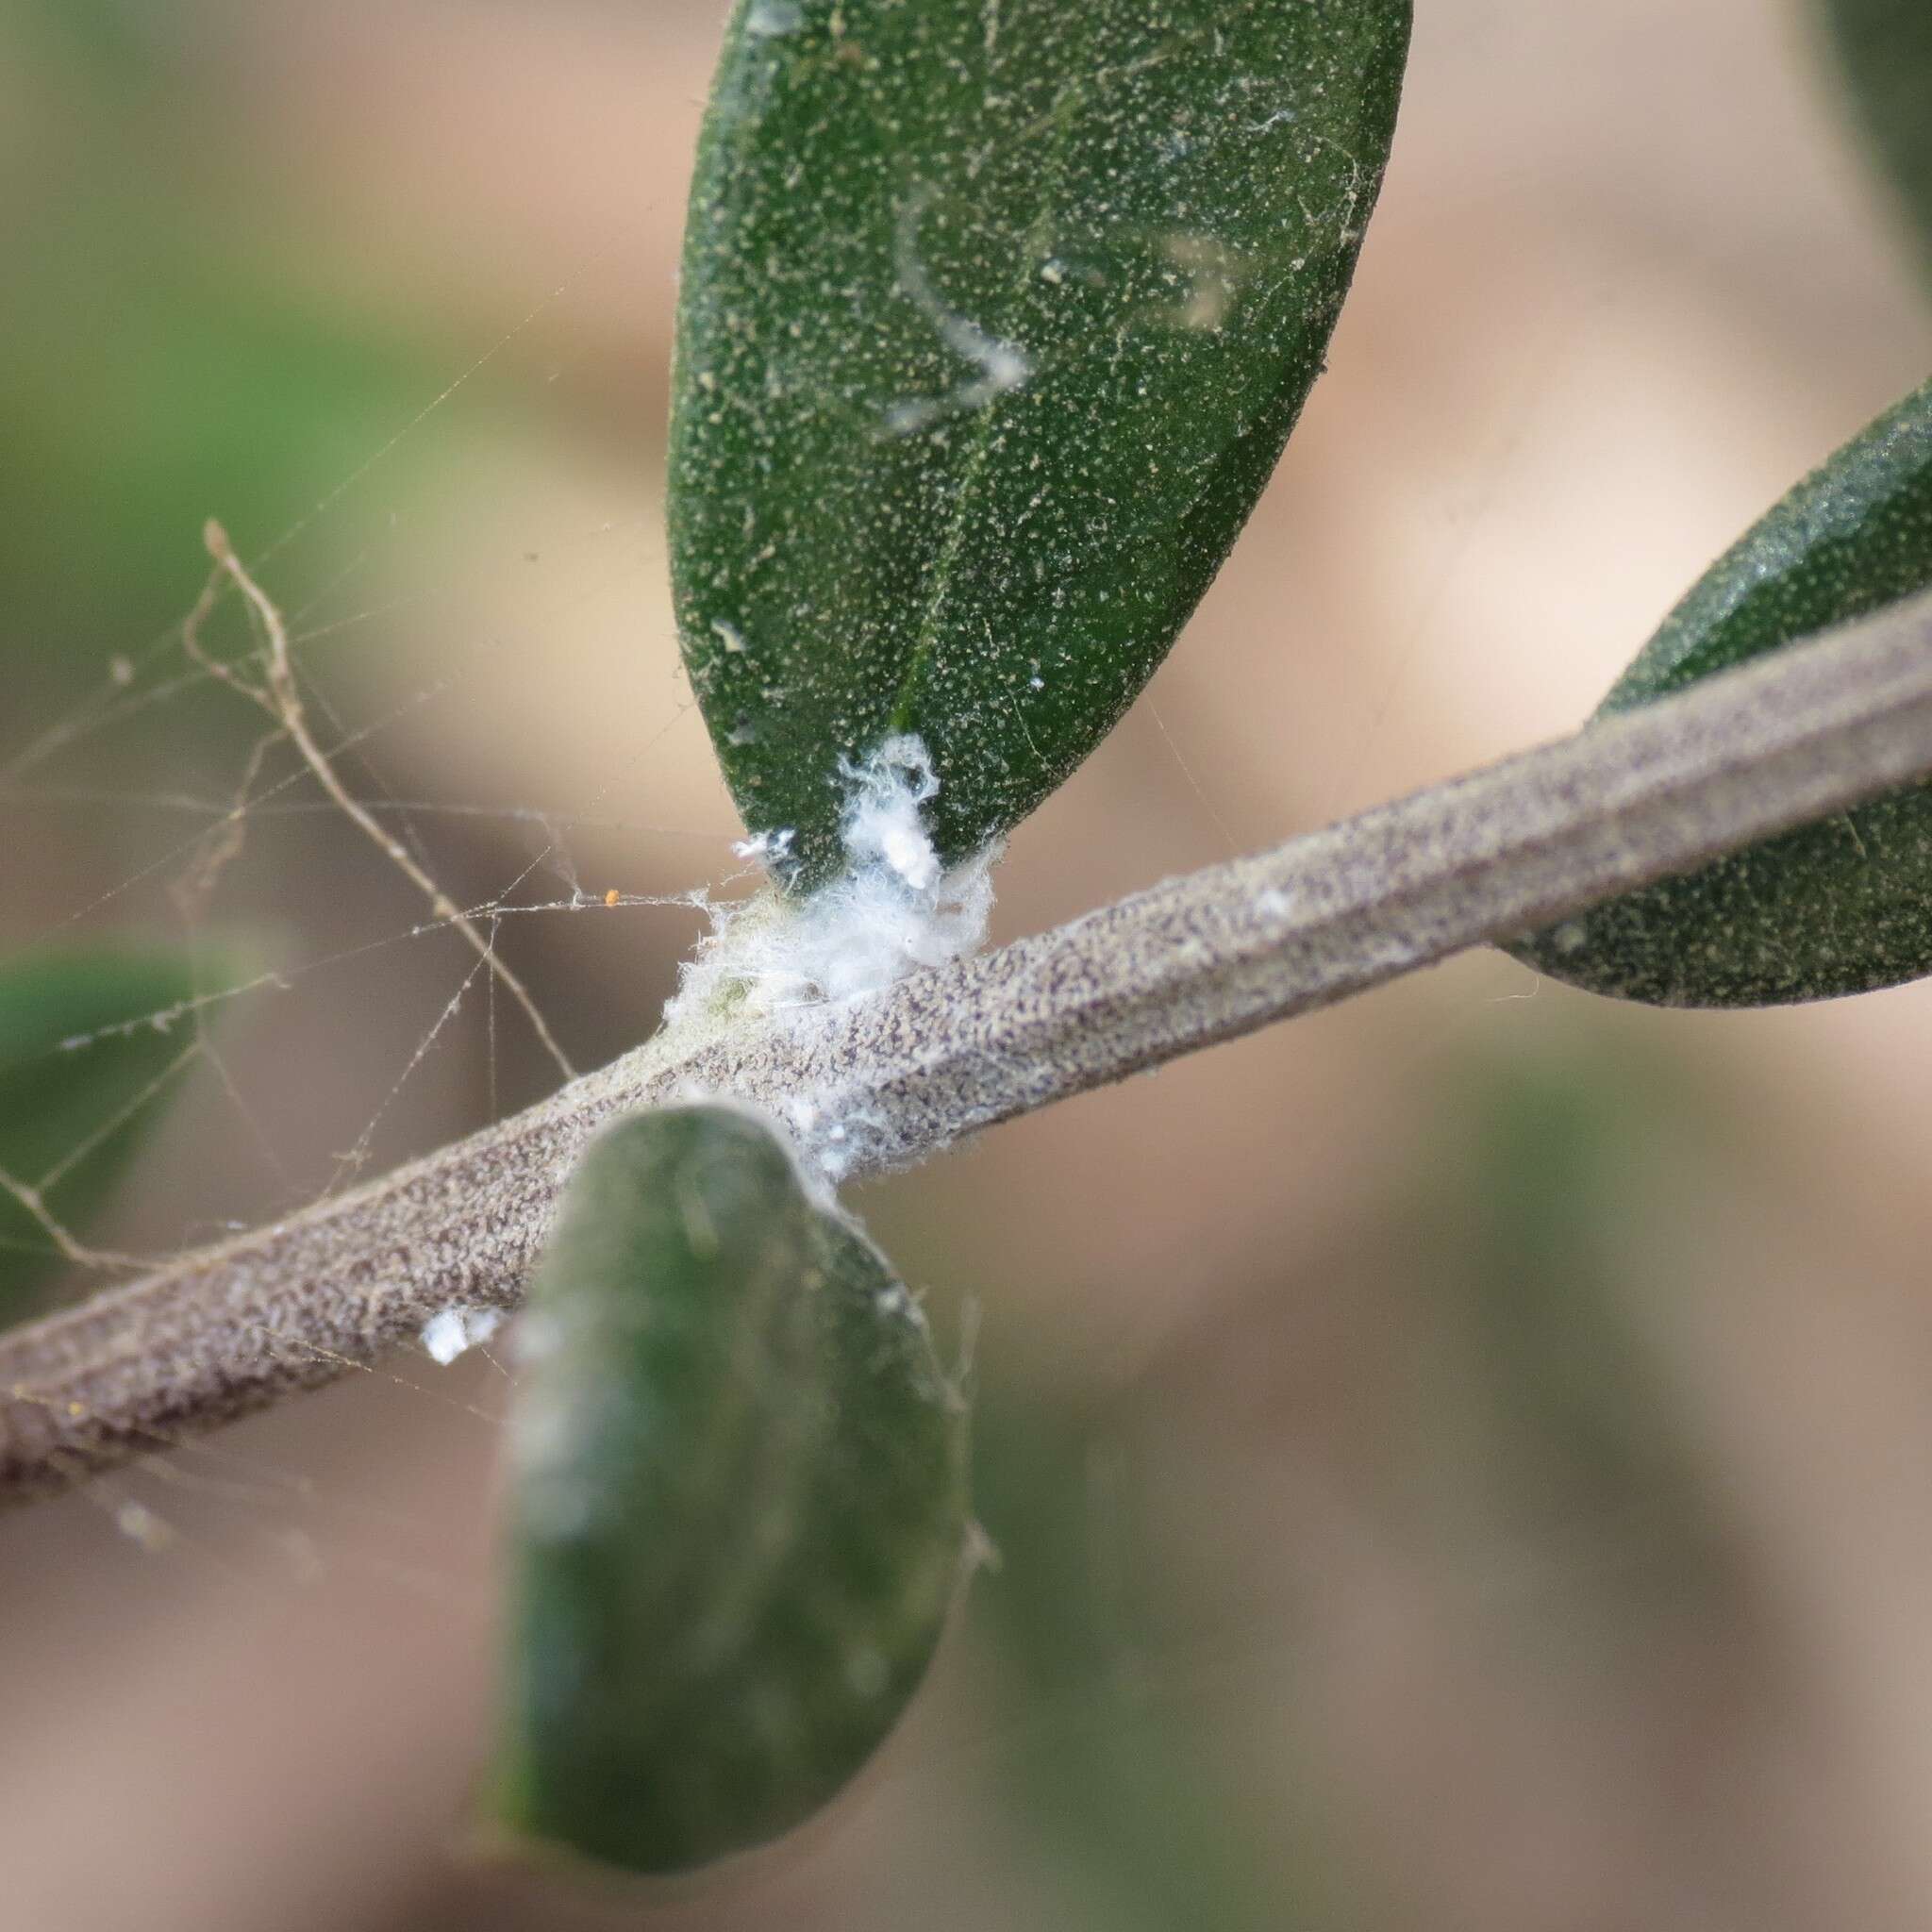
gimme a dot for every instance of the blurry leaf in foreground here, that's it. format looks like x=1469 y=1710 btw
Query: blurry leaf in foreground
x=1836 y=907
x=85 y=1051
x=1884 y=48
x=740 y=1510
x=994 y=320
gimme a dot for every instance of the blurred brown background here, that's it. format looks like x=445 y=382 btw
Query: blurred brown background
x=1464 y=1459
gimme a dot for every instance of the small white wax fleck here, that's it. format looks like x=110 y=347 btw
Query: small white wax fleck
x=446 y=1335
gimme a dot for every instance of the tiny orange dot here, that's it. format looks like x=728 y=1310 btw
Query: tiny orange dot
x=611 y=897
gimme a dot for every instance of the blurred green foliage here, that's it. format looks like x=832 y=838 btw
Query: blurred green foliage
x=87 y=1041
x=1535 y=1222
x=1142 y=1827
x=1885 y=48
x=208 y=396
x=159 y=362
x=1530 y=1426
x=121 y=47
x=1830 y=908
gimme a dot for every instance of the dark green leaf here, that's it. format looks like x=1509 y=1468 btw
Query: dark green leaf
x=87 y=1041
x=741 y=1503
x=1885 y=49
x=1836 y=907
x=995 y=317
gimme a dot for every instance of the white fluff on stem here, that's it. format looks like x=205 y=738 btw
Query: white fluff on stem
x=452 y=1332
x=893 y=910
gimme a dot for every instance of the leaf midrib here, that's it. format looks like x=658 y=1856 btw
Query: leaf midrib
x=945 y=566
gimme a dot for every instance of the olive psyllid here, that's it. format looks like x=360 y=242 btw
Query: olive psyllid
x=1838 y=907
x=740 y=1502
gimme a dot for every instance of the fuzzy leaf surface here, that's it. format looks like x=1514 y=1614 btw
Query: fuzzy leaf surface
x=995 y=316
x=85 y=1051
x=739 y=1506
x=1842 y=906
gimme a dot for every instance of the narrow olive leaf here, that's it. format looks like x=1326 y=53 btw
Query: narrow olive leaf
x=995 y=317
x=1836 y=907
x=741 y=1503
x=1884 y=49
x=87 y=1043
